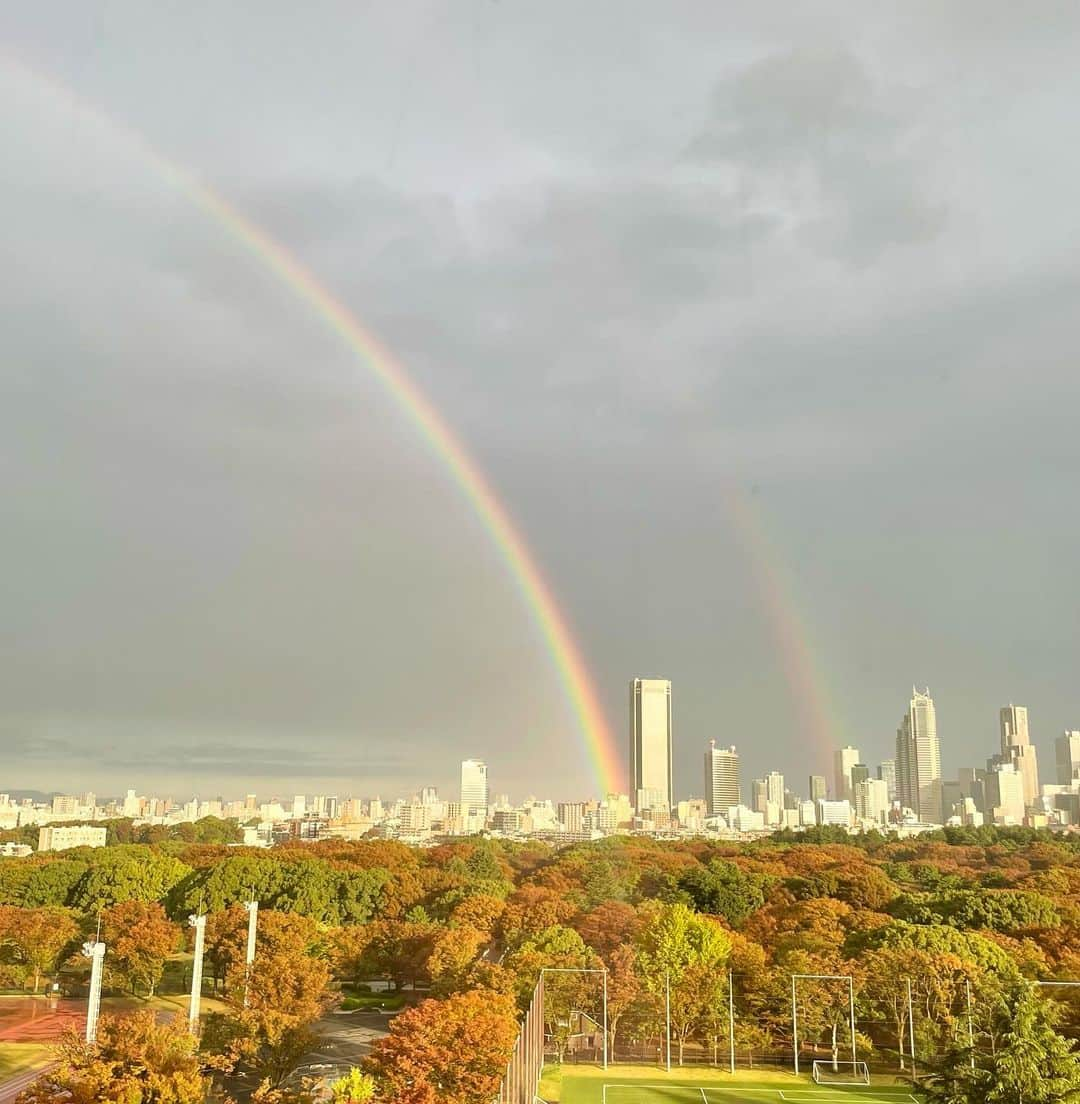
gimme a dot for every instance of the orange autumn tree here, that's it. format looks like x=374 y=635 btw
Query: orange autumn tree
x=140 y=938
x=135 y=1059
x=36 y=938
x=446 y=1052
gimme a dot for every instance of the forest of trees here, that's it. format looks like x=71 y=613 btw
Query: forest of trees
x=969 y=917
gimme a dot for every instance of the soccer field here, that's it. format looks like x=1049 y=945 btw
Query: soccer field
x=748 y=1094
x=654 y=1087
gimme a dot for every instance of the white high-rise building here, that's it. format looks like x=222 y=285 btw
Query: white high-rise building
x=1067 y=758
x=872 y=800
x=1017 y=748
x=774 y=789
x=722 y=787
x=1005 y=795
x=918 y=759
x=650 y=737
x=846 y=759
x=474 y=787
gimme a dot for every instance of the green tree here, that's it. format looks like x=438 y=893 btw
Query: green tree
x=130 y=872
x=682 y=954
x=722 y=889
x=1027 y=1063
x=354 y=1088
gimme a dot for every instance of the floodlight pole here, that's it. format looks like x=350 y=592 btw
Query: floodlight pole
x=605 y=1022
x=731 y=1019
x=667 y=1014
x=795 y=1024
x=95 y=951
x=199 y=924
x=249 y=956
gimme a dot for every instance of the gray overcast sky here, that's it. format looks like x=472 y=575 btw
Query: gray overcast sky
x=637 y=253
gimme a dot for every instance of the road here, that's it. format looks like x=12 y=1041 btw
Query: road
x=11 y=1088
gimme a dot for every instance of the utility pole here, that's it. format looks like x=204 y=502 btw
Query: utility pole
x=198 y=922
x=731 y=1018
x=252 y=907
x=95 y=951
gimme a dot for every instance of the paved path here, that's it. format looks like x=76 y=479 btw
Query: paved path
x=11 y=1088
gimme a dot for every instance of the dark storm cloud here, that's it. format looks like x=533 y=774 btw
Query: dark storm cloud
x=633 y=253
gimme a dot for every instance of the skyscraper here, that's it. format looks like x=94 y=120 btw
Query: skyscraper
x=722 y=789
x=846 y=758
x=1067 y=755
x=887 y=773
x=1017 y=748
x=650 y=737
x=474 y=787
x=918 y=759
x=818 y=788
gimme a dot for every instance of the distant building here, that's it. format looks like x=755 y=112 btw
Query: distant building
x=872 y=800
x=1017 y=748
x=818 y=787
x=64 y=805
x=918 y=759
x=64 y=837
x=834 y=813
x=474 y=788
x=846 y=759
x=650 y=737
x=1067 y=758
x=887 y=773
x=722 y=788
x=1005 y=802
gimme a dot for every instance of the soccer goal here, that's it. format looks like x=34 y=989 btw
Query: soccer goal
x=828 y=1072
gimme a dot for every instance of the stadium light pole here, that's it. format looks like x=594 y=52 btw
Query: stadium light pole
x=95 y=951
x=198 y=922
x=252 y=908
x=731 y=1019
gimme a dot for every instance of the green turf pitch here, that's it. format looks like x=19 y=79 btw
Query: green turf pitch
x=650 y=1086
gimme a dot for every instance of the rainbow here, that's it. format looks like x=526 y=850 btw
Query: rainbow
x=565 y=655
x=805 y=683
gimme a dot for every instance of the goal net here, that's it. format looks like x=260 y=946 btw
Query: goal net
x=828 y=1072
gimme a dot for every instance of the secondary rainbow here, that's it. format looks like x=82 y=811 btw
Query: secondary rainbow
x=563 y=650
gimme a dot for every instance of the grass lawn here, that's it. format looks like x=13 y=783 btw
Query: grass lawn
x=649 y=1085
x=18 y=1057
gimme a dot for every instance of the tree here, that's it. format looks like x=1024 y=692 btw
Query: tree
x=136 y=1060
x=609 y=926
x=681 y=954
x=453 y=953
x=723 y=889
x=130 y=872
x=278 y=933
x=272 y=1007
x=140 y=938
x=1028 y=1063
x=354 y=1088
x=623 y=989
x=38 y=939
x=446 y=1052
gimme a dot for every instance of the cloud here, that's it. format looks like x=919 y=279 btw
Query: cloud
x=809 y=136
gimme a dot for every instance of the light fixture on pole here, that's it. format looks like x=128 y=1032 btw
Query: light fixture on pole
x=198 y=922
x=252 y=908
x=95 y=951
